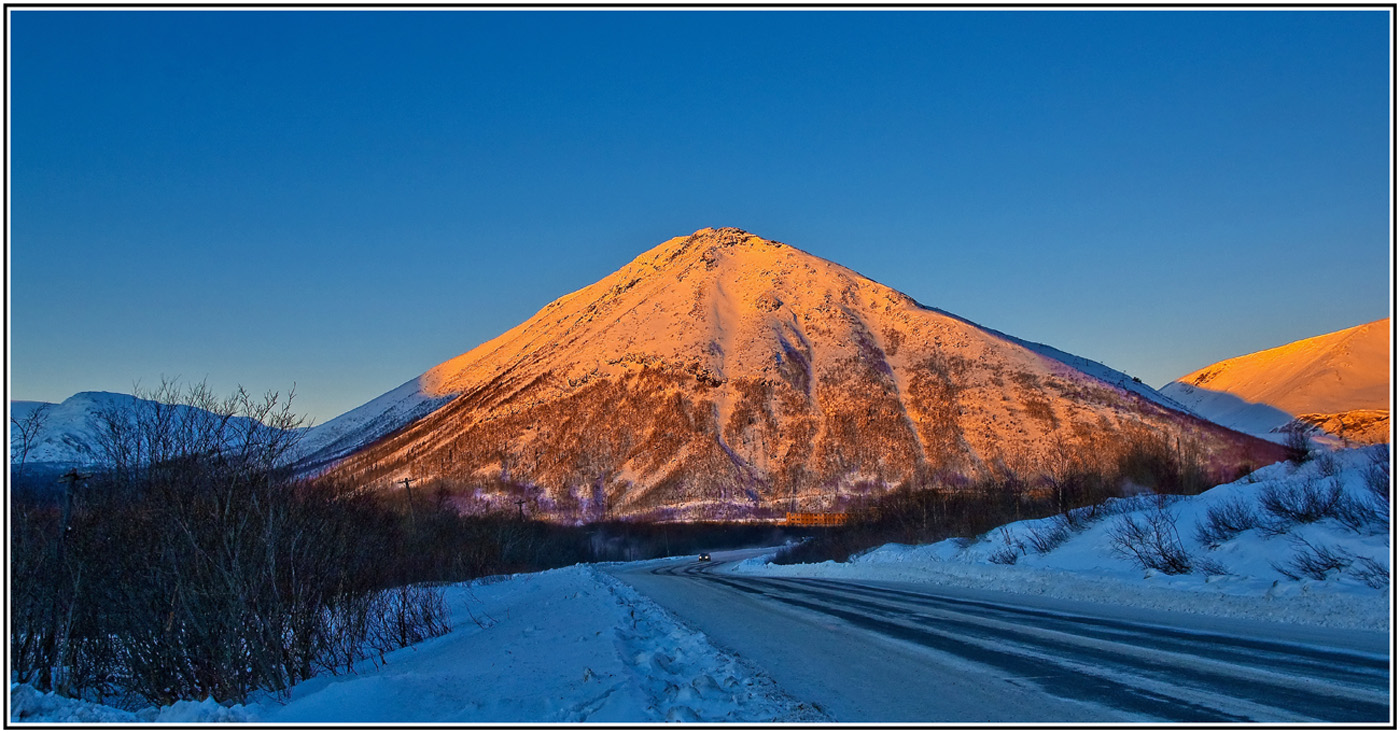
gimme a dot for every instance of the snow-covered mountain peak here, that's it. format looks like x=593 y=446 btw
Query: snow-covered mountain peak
x=722 y=372
x=717 y=299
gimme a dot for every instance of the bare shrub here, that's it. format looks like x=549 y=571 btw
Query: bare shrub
x=1301 y=503
x=1210 y=566
x=1011 y=550
x=1370 y=572
x=24 y=435
x=1151 y=541
x=1225 y=520
x=198 y=567
x=1048 y=535
x=1315 y=561
x=1327 y=464
x=1363 y=514
x=1297 y=443
x=1163 y=465
x=1005 y=556
x=1377 y=481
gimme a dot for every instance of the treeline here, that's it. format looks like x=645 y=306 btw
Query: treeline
x=926 y=510
x=197 y=565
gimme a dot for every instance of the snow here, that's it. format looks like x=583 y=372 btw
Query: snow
x=28 y=705
x=577 y=645
x=1086 y=567
x=384 y=414
x=1259 y=392
x=71 y=428
x=563 y=646
x=1231 y=411
x=572 y=645
x=1100 y=372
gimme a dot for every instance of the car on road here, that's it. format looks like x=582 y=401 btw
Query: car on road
x=704 y=557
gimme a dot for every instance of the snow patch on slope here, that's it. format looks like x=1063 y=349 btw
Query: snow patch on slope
x=1229 y=410
x=1101 y=372
x=380 y=416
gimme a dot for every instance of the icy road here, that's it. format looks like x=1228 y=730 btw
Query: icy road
x=891 y=652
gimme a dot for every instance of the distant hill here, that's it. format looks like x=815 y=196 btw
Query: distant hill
x=72 y=432
x=1337 y=382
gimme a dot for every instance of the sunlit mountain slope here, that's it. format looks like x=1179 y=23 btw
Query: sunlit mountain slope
x=1338 y=381
x=725 y=375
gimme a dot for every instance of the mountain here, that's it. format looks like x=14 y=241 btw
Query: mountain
x=348 y=432
x=725 y=375
x=1337 y=382
x=72 y=433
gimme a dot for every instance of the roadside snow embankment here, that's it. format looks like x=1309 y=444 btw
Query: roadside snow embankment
x=28 y=705
x=1306 y=544
x=572 y=645
x=562 y=646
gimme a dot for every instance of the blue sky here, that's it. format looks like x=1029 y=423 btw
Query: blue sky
x=342 y=200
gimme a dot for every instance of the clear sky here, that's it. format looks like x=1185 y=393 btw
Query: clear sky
x=342 y=200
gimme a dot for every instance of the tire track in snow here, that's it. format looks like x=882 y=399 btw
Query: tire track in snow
x=1335 y=665
x=1196 y=677
x=1050 y=676
x=686 y=678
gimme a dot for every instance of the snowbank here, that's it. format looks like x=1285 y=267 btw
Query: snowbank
x=1244 y=576
x=28 y=705
x=563 y=646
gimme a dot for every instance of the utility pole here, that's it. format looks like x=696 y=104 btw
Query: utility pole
x=51 y=643
x=408 y=489
x=520 y=504
x=71 y=480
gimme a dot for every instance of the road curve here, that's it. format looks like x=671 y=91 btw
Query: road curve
x=871 y=652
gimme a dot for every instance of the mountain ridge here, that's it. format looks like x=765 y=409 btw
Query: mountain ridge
x=719 y=372
x=1335 y=378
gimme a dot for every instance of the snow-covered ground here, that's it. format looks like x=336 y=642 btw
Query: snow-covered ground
x=578 y=645
x=1236 y=577
x=563 y=646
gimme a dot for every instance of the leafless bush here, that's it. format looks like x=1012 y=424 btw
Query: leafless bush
x=1225 y=520
x=1370 y=572
x=1048 y=535
x=1210 y=566
x=197 y=567
x=24 y=434
x=1151 y=541
x=1314 y=561
x=1363 y=514
x=1301 y=503
x=1010 y=551
x=1327 y=464
x=404 y=616
x=1377 y=482
x=1297 y=442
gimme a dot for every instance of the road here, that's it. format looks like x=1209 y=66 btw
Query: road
x=872 y=652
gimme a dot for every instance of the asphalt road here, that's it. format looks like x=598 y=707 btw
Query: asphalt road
x=870 y=652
